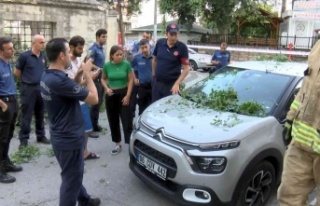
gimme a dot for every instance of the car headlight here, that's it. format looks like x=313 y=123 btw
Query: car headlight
x=212 y=165
x=219 y=146
x=136 y=125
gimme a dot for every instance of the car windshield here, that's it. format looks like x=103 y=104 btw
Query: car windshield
x=261 y=87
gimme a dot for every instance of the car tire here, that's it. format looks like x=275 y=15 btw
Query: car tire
x=193 y=65
x=256 y=186
x=205 y=69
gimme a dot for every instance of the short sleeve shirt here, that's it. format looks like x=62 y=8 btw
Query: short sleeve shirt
x=97 y=55
x=117 y=74
x=7 y=83
x=142 y=65
x=61 y=97
x=223 y=57
x=31 y=67
x=170 y=60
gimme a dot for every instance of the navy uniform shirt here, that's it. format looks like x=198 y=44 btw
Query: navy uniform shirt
x=142 y=65
x=61 y=97
x=169 y=60
x=223 y=57
x=7 y=84
x=97 y=55
x=31 y=67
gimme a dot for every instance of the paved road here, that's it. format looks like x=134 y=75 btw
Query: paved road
x=108 y=177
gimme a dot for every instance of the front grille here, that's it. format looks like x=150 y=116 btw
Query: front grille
x=157 y=156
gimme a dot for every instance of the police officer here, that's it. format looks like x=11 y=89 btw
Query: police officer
x=61 y=97
x=29 y=68
x=147 y=35
x=8 y=110
x=98 y=56
x=168 y=56
x=141 y=64
x=220 y=58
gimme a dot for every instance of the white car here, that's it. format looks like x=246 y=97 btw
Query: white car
x=199 y=61
x=220 y=141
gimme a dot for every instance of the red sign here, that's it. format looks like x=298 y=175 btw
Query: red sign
x=306 y=15
x=306 y=5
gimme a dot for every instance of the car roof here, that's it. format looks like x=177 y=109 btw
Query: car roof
x=286 y=68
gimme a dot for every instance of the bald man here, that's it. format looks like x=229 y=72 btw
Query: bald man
x=29 y=69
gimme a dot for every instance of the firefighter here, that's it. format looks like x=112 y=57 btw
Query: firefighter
x=301 y=173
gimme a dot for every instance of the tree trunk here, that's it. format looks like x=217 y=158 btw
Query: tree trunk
x=121 y=22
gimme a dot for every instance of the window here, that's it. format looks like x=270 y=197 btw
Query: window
x=22 y=32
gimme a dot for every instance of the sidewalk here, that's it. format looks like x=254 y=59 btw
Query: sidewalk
x=108 y=178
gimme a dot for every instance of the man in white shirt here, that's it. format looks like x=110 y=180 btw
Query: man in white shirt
x=76 y=44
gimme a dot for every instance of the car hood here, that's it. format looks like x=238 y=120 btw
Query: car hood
x=183 y=120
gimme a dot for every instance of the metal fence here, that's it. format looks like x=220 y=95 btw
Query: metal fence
x=280 y=42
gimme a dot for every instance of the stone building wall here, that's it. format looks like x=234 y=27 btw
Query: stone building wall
x=68 y=17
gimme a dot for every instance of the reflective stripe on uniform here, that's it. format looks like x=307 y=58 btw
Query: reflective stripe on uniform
x=295 y=105
x=306 y=134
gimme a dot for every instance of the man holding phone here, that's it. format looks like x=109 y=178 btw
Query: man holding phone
x=98 y=56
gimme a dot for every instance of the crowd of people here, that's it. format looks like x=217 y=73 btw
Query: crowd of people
x=58 y=78
x=72 y=88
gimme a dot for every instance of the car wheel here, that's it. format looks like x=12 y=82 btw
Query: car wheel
x=256 y=187
x=205 y=69
x=193 y=65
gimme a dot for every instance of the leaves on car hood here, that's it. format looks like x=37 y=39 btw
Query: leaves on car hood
x=184 y=119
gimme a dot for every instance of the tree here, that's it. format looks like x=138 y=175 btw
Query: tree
x=130 y=7
x=215 y=12
x=185 y=10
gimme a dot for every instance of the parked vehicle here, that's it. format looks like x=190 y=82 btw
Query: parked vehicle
x=197 y=155
x=199 y=61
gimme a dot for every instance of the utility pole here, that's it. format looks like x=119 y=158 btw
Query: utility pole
x=119 y=8
x=155 y=24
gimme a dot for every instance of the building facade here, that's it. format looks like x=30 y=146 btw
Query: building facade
x=301 y=23
x=21 y=19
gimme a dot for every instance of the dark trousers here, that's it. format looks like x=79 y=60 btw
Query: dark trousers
x=7 y=124
x=134 y=100
x=95 y=109
x=145 y=97
x=161 y=89
x=115 y=109
x=31 y=103
x=72 y=166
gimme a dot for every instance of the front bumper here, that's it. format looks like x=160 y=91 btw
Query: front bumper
x=172 y=190
x=183 y=185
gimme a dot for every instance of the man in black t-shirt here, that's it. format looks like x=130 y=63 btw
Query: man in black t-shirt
x=61 y=97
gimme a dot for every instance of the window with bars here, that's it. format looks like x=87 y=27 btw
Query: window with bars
x=22 y=32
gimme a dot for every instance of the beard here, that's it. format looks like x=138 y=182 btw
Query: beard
x=76 y=54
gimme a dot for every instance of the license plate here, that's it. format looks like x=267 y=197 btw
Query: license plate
x=152 y=166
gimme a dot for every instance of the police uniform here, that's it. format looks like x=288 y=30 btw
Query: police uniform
x=222 y=57
x=142 y=65
x=99 y=58
x=31 y=67
x=7 y=119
